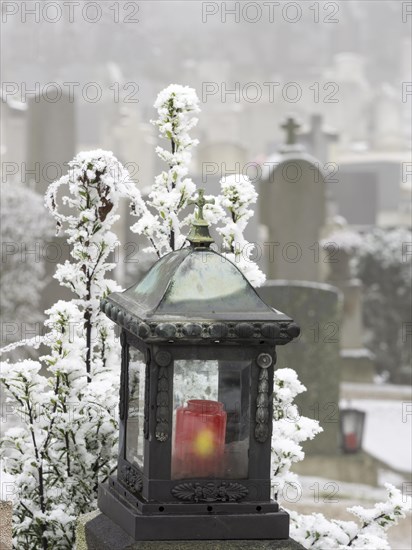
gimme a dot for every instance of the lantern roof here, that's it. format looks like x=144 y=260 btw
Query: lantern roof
x=197 y=293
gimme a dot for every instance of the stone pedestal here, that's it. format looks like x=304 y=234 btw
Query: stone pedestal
x=357 y=366
x=357 y=362
x=95 y=531
x=350 y=468
x=6 y=511
x=352 y=328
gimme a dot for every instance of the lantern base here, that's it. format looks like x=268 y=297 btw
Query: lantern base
x=98 y=532
x=209 y=526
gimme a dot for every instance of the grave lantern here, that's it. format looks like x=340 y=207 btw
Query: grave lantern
x=198 y=356
x=352 y=422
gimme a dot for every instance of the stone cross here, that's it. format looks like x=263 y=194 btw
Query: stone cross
x=201 y=202
x=317 y=139
x=291 y=126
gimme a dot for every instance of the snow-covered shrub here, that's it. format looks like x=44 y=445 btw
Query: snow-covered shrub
x=67 y=441
x=383 y=264
x=317 y=532
x=290 y=429
x=24 y=228
x=162 y=220
x=237 y=195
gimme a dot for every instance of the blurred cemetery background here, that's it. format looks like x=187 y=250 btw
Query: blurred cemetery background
x=313 y=102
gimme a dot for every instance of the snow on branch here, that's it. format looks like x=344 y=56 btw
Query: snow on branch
x=316 y=532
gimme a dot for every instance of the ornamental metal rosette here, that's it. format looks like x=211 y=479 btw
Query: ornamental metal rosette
x=210 y=492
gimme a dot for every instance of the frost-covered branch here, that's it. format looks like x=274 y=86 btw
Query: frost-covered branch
x=237 y=195
x=172 y=189
x=317 y=532
x=290 y=429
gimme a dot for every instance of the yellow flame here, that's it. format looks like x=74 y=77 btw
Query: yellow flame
x=203 y=444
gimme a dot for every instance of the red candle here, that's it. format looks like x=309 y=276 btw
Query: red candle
x=199 y=440
x=351 y=441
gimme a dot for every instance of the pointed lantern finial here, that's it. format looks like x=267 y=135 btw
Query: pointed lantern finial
x=199 y=233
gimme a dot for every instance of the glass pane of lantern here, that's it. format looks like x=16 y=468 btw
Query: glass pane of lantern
x=211 y=419
x=135 y=416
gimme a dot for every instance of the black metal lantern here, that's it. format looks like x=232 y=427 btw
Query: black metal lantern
x=352 y=422
x=198 y=355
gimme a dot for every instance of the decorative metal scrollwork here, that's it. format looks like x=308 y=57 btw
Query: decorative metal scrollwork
x=210 y=492
x=131 y=477
x=262 y=429
x=162 y=405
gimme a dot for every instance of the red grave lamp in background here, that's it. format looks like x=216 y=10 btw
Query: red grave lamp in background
x=199 y=440
x=352 y=423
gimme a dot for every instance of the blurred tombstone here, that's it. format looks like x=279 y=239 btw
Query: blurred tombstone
x=317 y=139
x=404 y=84
x=292 y=206
x=368 y=191
x=348 y=99
x=13 y=122
x=133 y=144
x=315 y=355
x=219 y=159
x=256 y=121
x=136 y=147
x=51 y=139
x=51 y=145
x=387 y=132
x=356 y=196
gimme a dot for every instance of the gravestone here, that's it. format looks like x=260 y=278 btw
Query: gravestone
x=405 y=77
x=51 y=144
x=317 y=309
x=369 y=187
x=13 y=121
x=317 y=138
x=387 y=133
x=256 y=123
x=133 y=143
x=356 y=196
x=349 y=96
x=292 y=206
x=219 y=159
x=51 y=138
